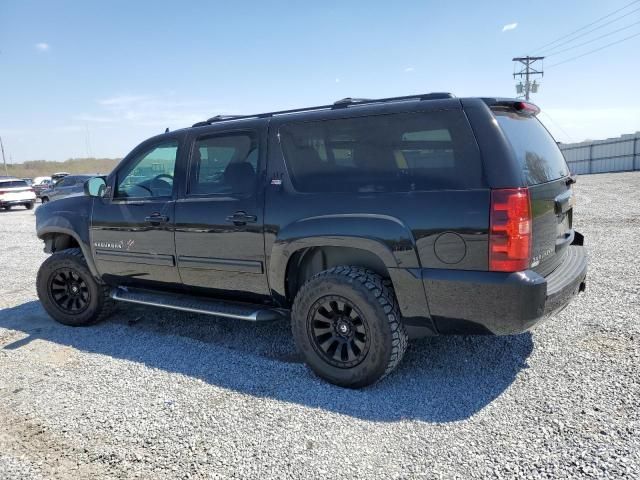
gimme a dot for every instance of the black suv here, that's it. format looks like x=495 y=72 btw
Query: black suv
x=368 y=222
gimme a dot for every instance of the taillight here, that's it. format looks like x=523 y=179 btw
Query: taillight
x=510 y=230
x=2 y=192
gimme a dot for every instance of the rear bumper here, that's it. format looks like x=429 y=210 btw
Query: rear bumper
x=466 y=302
x=23 y=201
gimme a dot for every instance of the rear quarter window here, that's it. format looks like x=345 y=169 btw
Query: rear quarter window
x=383 y=153
x=537 y=152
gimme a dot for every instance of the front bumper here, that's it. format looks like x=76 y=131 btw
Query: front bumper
x=467 y=302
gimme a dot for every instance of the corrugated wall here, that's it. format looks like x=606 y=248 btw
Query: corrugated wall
x=598 y=156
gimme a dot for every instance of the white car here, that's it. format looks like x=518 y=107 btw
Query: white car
x=14 y=191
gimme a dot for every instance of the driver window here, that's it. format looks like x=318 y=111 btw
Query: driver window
x=151 y=174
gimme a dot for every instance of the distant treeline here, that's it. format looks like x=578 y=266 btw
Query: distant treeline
x=42 y=168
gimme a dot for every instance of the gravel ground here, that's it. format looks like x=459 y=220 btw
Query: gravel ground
x=156 y=394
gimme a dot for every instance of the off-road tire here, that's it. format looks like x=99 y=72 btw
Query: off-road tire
x=374 y=298
x=100 y=304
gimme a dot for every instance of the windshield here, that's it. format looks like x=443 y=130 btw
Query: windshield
x=537 y=152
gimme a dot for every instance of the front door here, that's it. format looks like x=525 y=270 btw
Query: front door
x=219 y=217
x=132 y=234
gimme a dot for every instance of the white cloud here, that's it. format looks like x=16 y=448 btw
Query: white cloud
x=42 y=47
x=409 y=69
x=122 y=100
x=151 y=110
x=510 y=26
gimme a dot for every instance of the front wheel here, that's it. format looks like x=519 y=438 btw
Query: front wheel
x=347 y=326
x=68 y=291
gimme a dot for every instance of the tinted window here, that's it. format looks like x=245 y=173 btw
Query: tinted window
x=383 y=153
x=537 y=152
x=67 y=182
x=150 y=174
x=13 y=184
x=224 y=164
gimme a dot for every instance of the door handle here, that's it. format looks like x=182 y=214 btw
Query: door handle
x=156 y=218
x=241 y=218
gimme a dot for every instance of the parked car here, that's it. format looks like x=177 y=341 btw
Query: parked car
x=367 y=222
x=41 y=184
x=15 y=191
x=64 y=187
x=58 y=176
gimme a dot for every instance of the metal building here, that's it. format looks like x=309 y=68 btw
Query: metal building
x=597 y=156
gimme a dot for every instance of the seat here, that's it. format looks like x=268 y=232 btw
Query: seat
x=240 y=177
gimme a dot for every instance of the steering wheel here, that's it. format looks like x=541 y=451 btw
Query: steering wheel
x=162 y=175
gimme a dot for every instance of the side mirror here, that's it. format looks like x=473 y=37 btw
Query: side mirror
x=95 y=187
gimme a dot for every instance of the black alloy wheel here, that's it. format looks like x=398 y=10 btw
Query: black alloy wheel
x=69 y=291
x=338 y=331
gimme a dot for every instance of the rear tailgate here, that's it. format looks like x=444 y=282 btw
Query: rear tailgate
x=547 y=177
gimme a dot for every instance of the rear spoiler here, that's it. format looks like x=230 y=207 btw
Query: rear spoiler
x=523 y=108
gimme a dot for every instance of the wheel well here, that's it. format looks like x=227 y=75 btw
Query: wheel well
x=55 y=242
x=305 y=263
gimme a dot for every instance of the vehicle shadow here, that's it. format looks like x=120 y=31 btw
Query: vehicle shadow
x=441 y=379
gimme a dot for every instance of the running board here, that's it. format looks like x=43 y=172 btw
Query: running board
x=187 y=303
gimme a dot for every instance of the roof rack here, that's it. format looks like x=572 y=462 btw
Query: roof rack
x=343 y=103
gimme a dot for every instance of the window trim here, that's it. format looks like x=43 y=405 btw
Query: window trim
x=252 y=132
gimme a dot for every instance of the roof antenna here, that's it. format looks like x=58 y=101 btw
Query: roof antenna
x=166 y=130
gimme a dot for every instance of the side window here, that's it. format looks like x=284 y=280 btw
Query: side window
x=224 y=164
x=67 y=181
x=399 y=152
x=150 y=174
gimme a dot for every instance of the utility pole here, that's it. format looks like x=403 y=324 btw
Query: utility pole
x=4 y=160
x=527 y=71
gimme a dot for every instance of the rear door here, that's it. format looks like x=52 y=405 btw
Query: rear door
x=219 y=217
x=63 y=188
x=547 y=176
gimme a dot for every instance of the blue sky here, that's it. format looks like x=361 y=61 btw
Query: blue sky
x=96 y=78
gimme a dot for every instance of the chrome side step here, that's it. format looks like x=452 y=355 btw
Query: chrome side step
x=187 y=303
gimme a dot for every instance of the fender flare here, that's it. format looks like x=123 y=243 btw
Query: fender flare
x=84 y=246
x=384 y=236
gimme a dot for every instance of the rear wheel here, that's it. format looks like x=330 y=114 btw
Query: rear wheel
x=44 y=199
x=29 y=206
x=7 y=207
x=68 y=291
x=346 y=324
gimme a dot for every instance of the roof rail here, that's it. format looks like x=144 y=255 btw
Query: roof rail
x=343 y=103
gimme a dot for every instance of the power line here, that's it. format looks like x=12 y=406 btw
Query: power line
x=586 y=26
x=556 y=124
x=592 y=40
x=593 y=51
x=592 y=30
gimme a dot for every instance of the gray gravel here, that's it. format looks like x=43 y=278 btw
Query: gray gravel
x=156 y=394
